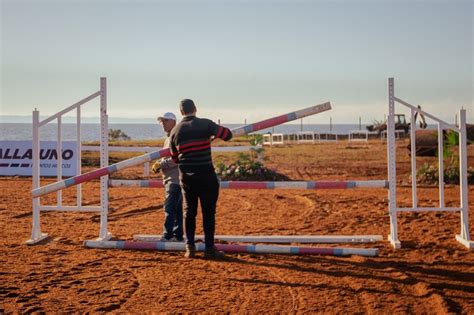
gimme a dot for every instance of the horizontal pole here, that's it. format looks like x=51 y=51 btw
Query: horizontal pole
x=278 y=238
x=73 y=106
x=275 y=121
x=426 y=209
x=231 y=248
x=99 y=172
x=263 y=185
x=69 y=208
x=166 y=152
x=152 y=149
x=450 y=126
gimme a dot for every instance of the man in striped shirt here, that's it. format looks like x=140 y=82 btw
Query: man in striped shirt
x=190 y=146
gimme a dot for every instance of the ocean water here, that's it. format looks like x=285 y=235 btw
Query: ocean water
x=91 y=132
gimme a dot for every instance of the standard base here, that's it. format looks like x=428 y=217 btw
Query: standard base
x=108 y=237
x=37 y=239
x=467 y=243
x=395 y=243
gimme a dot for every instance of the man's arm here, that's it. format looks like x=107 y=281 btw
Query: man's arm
x=173 y=149
x=220 y=132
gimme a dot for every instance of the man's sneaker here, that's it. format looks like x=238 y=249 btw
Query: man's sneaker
x=190 y=251
x=213 y=253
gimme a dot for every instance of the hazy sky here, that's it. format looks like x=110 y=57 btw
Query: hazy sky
x=238 y=59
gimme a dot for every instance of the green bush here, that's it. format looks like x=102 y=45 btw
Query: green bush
x=428 y=174
x=244 y=169
x=249 y=166
x=118 y=134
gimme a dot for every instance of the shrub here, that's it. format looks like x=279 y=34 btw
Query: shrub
x=249 y=166
x=244 y=169
x=428 y=174
x=118 y=134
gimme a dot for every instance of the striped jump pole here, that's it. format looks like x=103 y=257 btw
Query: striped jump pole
x=264 y=185
x=275 y=121
x=264 y=124
x=232 y=248
x=281 y=239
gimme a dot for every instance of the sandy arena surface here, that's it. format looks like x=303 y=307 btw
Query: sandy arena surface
x=432 y=273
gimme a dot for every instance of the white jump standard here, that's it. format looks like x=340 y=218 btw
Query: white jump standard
x=36 y=234
x=463 y=237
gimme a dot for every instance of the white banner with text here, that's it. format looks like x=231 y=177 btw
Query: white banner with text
x=16 y=158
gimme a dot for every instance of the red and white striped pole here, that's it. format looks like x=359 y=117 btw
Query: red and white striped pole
x=264 y=124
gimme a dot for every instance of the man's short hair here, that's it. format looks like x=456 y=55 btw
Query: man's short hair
x=187 y=106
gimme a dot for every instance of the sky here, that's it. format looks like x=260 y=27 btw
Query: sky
x=238 y=59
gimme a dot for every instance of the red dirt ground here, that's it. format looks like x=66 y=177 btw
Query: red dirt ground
x=432 y=273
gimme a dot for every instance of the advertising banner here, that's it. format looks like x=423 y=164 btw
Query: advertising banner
x=16 y=158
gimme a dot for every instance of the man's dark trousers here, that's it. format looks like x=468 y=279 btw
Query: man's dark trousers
x=203 y=187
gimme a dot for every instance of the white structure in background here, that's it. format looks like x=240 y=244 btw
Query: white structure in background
x=303 y=137
x=359 y=135
x=327 y=137
x=306 y=137
x=399 y=135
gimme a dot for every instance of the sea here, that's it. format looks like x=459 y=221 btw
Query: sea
x=91 y=131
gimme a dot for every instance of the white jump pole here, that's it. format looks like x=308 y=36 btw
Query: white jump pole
x=104 y=161
x=165 y=152
x=392 y=170
x=232 y=248
x=278 y=238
